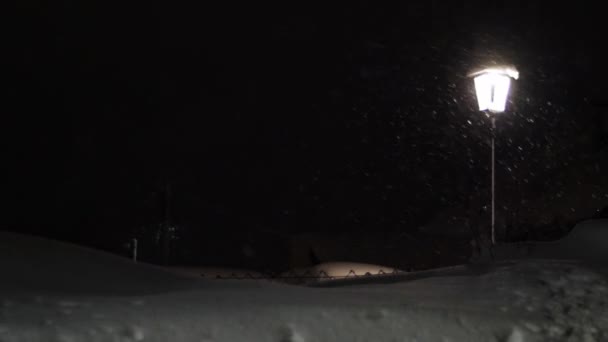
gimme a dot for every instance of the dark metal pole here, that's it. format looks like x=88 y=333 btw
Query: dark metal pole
x=166 y=225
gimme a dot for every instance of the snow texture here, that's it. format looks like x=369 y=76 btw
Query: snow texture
x=52 y=291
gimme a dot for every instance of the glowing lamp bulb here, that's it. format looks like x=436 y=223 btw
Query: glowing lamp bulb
x=492 y=88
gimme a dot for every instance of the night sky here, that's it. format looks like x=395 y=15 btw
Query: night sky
x=307 y=118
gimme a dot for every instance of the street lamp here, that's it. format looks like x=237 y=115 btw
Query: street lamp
x=492 y=89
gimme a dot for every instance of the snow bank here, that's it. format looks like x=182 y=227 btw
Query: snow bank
x=588 y=241
x=36 y=264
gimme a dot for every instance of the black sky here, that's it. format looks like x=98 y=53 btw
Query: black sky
x=264 y=118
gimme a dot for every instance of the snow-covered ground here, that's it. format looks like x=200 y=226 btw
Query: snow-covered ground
x=51 y=291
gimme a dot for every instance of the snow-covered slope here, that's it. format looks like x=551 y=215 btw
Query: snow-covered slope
x=524 y=301
x=588 y=242
x=36 y=264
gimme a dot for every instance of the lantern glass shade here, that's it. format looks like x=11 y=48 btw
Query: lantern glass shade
x=492 y=91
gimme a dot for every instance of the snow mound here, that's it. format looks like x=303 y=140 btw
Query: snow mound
x=588 y=241
x=30 y=263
